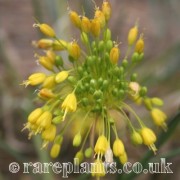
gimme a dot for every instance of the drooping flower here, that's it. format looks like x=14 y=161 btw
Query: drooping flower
x=149 y=138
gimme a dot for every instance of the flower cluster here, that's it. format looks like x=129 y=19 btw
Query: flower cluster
x=96 y=85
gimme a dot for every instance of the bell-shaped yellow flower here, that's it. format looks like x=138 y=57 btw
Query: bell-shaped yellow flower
x=55 y=150
x=48 y=135
x=101 y=145
x=98 y=169
x=159 y=117
x=69 y=104
x=118 y=147
x=149 y=138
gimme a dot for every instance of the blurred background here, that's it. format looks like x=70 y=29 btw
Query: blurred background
x=160 y=72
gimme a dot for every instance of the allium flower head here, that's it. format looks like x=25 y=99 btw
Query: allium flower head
x=86 y=94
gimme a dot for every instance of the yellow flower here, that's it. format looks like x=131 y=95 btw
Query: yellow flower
x=51 y=55
x=101 y=145
x=98 y=169
x=114 y=55
x=44 y=121
x=49 y=82
x=75 y=19
x=69 y=104
x=123 y=158
x=74 y=50
x=85 y=24
x=46 y=94
x=159 y=117
x=48 y=135
x=55 y=150
x=34 y=115
x=95 y=27
x=46 y=62
x=149 y=138
x=61 y=76
x=99 y=15
x=118 y=147
x=46 y=29
x=132 y=36
x=106 y=9
x=35 y=79
x=139 y=47
x=43 y=43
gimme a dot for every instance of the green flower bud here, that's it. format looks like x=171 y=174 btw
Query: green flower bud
x=109 y=45
x=59 y=61
x=136 y=138
x=100 y=81
x=148 y=103
x=101 y=46
x=105 y=84
x=71 y=59
x=135 y=57
x=115 y=91
x=88 y=152
x=121 y=93
x=107 y=58
x=107 y=34
x=97 y=108
x=80 y=156
x=133 y=77
x=125 y=63
x=77 y=140
x=143 y=91
x=90 y=60
x=93 y=83
x=85 y=101
x=80 y=70
x=71 y=79
x=157 y=101
x=98 y=94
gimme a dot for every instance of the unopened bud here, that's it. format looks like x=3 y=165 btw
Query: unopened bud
x=75 y=19
x=85 y=24
x=114 y=55
x=106 y=9
x=46 y=29
x=132 y=36
x=77 y=140
x=95 y=27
